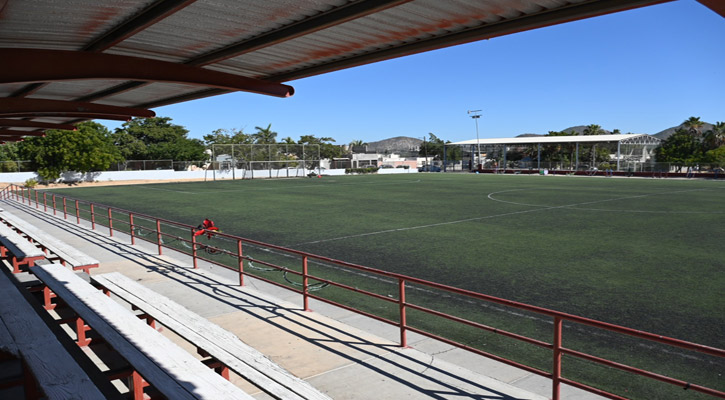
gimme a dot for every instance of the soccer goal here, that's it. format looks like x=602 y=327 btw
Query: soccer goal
x=264 y=161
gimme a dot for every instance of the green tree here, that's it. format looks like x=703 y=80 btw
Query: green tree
x=9 y=154
x=327 y=148
x=716 y=156
x=680 y=149
x=593 y=129
x=87 y=149
x=265 y=135
x=433 y=148
x=693 y=125
x=594 y=154
x=156 y=139
x=566 y=151
x=715 y=137
x=226 y=136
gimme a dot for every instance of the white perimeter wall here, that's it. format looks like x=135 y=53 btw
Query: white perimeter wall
x=168 y=174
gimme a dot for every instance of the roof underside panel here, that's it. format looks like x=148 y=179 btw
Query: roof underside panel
x=151 y=93
x=62 y=25
x=271 y=40
x=74 y=89
x=205 y=25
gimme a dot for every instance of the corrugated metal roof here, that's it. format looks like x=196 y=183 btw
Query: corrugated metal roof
x=271 y=41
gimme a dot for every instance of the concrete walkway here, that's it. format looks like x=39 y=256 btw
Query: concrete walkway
x=343 y=354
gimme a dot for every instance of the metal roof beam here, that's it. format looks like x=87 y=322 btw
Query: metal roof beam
x=573 y=12
x=315 y=23
x=35 y=65
x=22 y=107
x=715 y=5
x=24 y=123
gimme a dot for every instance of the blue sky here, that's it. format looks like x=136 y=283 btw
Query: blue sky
x=640 y=71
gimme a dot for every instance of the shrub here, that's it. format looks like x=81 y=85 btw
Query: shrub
x=366 y=170
x=31 y=183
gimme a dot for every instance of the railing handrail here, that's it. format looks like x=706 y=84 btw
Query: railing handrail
x=402 y=279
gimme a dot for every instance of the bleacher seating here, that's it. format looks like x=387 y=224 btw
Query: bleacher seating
x=211 y=339
x=171 y=371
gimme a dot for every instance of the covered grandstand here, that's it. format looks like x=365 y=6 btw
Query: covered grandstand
x=628 y=152
x=75 y=60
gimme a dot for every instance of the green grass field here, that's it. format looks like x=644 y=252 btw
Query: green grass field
x=643 y=253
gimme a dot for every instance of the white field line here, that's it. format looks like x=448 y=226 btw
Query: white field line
x=576 y=206
x=170 y=190
x=490 y=196
x=246 y=189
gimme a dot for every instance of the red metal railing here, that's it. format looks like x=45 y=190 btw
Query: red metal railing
x=21 y=194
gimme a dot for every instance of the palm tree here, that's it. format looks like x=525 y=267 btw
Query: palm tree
x=693 y=125
x=715 y=137
x=265 y=135
x=593 y=129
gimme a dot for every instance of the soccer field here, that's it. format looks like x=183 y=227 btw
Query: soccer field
x=644 y=253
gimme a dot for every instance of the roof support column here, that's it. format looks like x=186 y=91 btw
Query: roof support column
x=538 y=157
x=504 y=158
x=619 y=153
x=576 y=158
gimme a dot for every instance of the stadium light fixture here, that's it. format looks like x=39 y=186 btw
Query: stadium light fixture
x=476 y=115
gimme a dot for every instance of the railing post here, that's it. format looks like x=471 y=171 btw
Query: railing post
x=78 y=213
x=158 y=234
x=305 y=285
x=45 y=202
x=130 y=223
x=93 y=218
x=54 y=207
x=65 y=209
x=556 y=372
x=36 y=200
x=403 y=322
x=110 y=223
x=193 y=248
x=241 y=262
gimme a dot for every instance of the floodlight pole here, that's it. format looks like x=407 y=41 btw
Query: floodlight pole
x=476 y=115
x=425 y=148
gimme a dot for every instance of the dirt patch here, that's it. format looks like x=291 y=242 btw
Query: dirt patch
x=107 y=183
